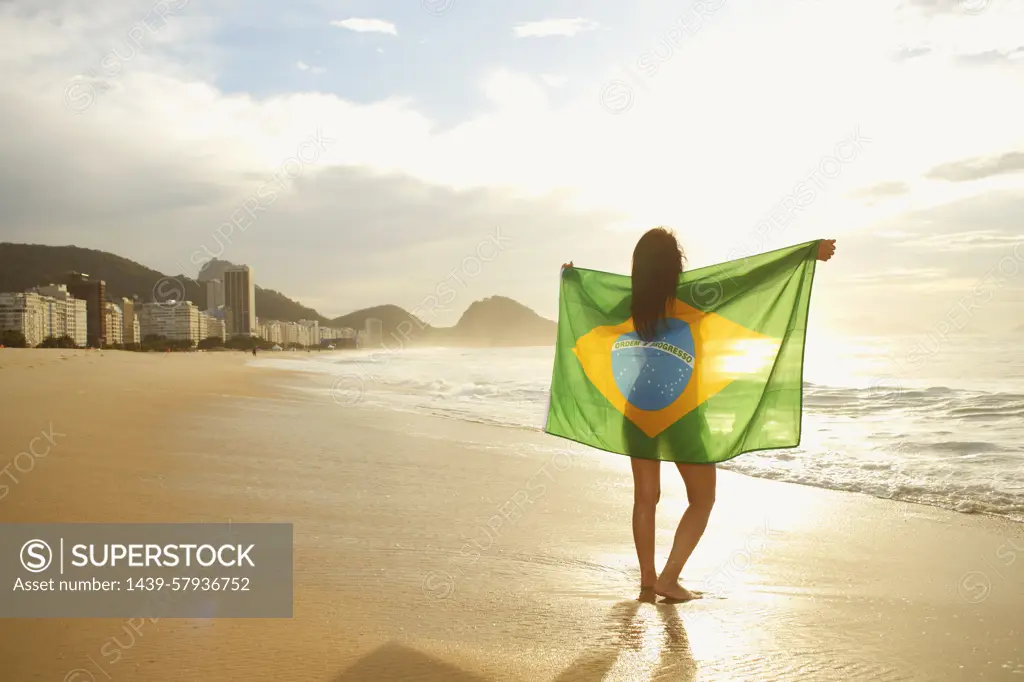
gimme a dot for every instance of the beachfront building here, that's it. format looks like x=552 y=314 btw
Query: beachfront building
x=64 y=314
x=328 y=334
x=24 y=313
x=129 y=322
x=305 y=332
x=94 y=293
x=271 y=330
x=115 y=324
x=211 y=325
x=333 y=335
x=240 y=301
x=178 y=320
x=214 y=294
x=42 y=312
x=309 y=332
x=290 y=333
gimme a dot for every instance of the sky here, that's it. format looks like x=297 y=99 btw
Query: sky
x=355 y=153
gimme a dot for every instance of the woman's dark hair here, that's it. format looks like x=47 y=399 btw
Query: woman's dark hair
x=657 y=264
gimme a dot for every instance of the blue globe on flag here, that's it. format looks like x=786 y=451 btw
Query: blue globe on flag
x=653 y=375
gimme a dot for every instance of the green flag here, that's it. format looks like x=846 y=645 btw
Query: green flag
x=723 y=376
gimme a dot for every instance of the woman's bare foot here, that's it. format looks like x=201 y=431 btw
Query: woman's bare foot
x=673 y=591
x=647 y=594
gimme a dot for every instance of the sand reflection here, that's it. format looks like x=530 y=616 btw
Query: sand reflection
x=644 y=642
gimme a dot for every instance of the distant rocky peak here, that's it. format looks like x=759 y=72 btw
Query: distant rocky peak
x=214 y=269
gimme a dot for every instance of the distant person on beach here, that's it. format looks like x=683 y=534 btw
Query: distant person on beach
x=254 y=351
x=657 y=266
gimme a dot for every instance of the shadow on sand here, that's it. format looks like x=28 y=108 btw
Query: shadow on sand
x=394 y=661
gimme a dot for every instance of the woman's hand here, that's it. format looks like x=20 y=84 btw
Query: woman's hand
x=567 y=265
x=826 y=249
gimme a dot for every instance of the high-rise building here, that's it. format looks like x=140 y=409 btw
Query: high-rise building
x=115 y=324
x=26 y=313
x=214 y=327
x=311 y=332
x=130 y=322
x=214 y=294
x=94 y=293
x=65 y=315
x=178 y=322
x=240 y=301
x=272 y=330
x=289 y=333
x=216 y=323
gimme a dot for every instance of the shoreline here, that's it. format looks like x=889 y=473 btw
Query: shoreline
x=461 y=551
x=347 y=394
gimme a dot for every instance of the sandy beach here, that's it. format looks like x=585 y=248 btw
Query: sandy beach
x=430 y=549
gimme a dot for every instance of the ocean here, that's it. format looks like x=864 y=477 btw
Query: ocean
x=937 y=421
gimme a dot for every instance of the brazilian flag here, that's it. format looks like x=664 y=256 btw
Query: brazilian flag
x=723 y=376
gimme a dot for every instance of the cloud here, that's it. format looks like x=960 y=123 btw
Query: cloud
x=881 y=190
x=315 y=229
x=188 y=153
x=998 y=211
x=967 y=240
x=965 y=7
x=978 y=168
x=990 y=57
x=367 y=26
x=554 y=27
x=917 y=265
x=303 y=66
x=906 y=53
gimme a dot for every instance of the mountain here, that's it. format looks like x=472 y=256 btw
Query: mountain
x=403 y=325
x=23 y=266
x=494 y=321
x=273 y=305
x=213 y=269
x=498 y=321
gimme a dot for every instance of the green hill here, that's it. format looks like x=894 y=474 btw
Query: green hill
x=392 y=318
x=500 y=321
x=495 y=321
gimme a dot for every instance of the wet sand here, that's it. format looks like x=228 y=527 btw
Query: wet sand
x=429 y=549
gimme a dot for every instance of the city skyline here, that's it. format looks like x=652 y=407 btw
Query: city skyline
x=52 y=311
x=170 y=288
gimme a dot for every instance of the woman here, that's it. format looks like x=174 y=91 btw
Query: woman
x=657 y=265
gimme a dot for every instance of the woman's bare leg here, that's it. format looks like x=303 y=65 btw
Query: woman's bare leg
x=700 y=481
x=646 y=493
